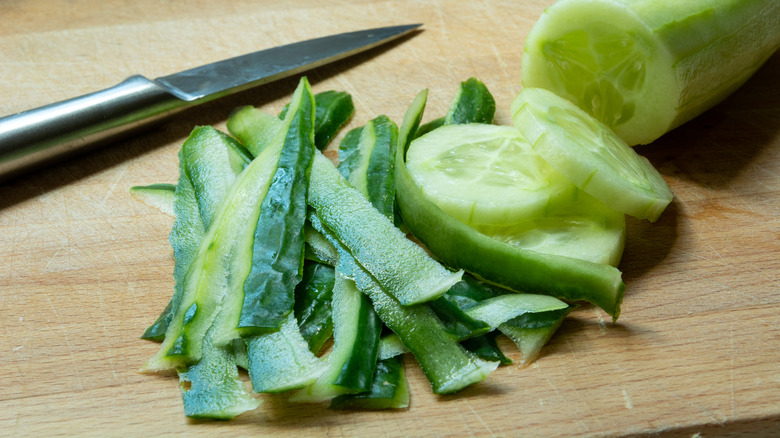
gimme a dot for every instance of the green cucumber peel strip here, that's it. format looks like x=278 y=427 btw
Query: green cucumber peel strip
x=401 y=266
x=212 y=388
x=472 y=103
x=281 y=361
x=352 y=361
x=333 y=109
x=391 y=346
x=277 y=258
x=496 y=311
x=531 y=331
x=160 y=196
x=461 y=247
x=222 y=263
x=486 y=347
x=313 y=309
x=389 y=389
x=445 y=363
x=367 y=156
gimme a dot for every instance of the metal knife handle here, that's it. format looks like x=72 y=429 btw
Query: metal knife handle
x=32 y=138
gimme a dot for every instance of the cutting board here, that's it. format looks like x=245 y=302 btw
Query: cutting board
x=84 y=267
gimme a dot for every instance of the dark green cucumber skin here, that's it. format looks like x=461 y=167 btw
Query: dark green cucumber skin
x=277 y=258
x=457 y=322
x=349 y=151
x=438 y=353
x=473 y=103
x=333 y=109
x=357 y=373
x=378 y=182
x=388 y=390
x=212 y=389
x=197 y=195
x=312 y=307
x=486 y=348
x=380 y=189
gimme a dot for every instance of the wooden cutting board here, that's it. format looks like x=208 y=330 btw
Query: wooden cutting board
x=84 y=267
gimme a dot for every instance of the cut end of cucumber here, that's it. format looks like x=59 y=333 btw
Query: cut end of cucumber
x=589 y=154
x=601 y=56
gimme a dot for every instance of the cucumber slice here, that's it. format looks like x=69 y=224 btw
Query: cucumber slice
x=159 y=196
x=583 y=228
x=645 y=67
x=589 y=154
x=483 y=174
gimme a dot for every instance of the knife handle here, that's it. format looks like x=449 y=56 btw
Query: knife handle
x=39 y=136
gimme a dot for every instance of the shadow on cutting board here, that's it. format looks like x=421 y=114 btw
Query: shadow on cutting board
x=174 y=131
x=705 y=156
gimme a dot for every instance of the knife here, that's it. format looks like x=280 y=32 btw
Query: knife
x=40 y=136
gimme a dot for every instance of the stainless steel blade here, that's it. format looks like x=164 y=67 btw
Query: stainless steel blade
x=253 y=69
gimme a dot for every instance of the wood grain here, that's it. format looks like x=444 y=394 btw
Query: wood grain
x=84 y=268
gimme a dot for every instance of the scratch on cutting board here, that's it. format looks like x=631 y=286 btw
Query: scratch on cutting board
x=67 y=341
x=119 y=175
x=480 y=418
x=629 y=403
x=731 y=374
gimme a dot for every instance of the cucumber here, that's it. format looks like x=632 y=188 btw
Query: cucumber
x=313 y=309
x=212 y=289
x=402 y=267
x=589 y=154
x=352 y=361
x=484 y=174
x=581 y=227
x=389 y=389
x=277 y=253
x=447 y=365
x=281 y=361
x=212 y=389
x=643 y=67
x=531 y=331
x=486 y=347
x=368 y=162
x=472 y=103
x=332 y=110
x=461 y=247
x=160 y=196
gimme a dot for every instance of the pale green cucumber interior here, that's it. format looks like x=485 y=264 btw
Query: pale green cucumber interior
x=589 y=154
x=584 y=228
x=600 y=56
x=483 y=174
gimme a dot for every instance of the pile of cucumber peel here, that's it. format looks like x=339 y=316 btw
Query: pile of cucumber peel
x=309 y=277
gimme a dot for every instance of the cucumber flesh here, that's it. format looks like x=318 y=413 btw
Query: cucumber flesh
x=582 y=228
x=645 y=67
x=589 y=154
x=484 y=174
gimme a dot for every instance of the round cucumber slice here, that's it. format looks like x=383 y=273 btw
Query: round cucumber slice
x=483 y=174
x=589 y=154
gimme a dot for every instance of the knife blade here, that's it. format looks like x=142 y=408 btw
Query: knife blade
x=40 y=136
